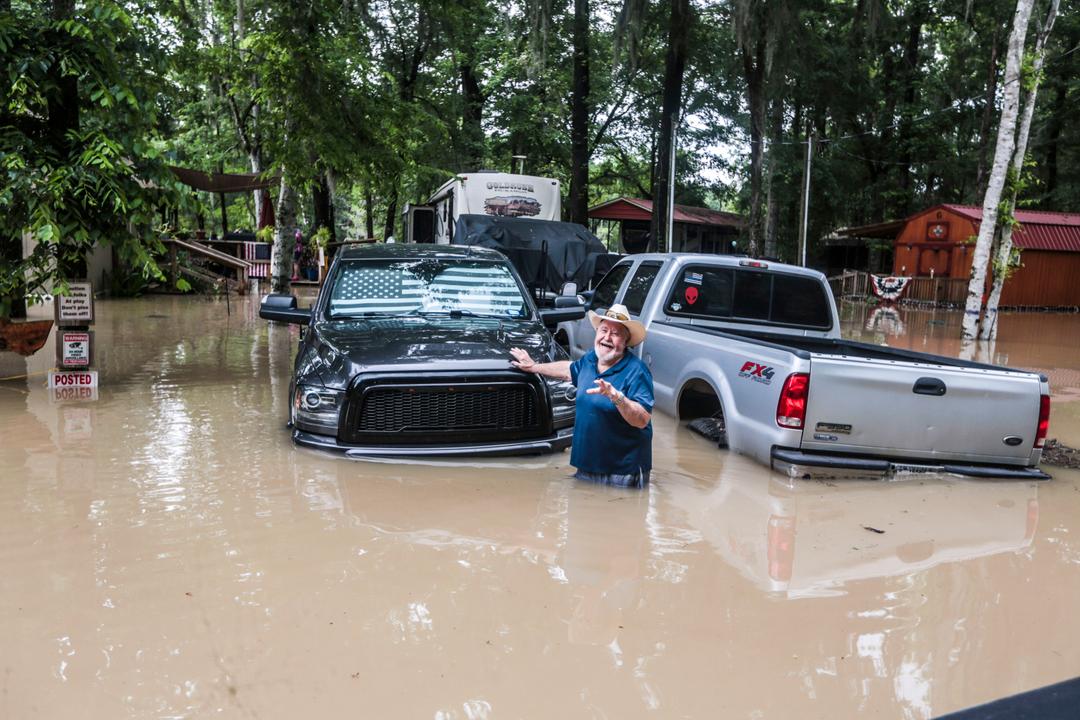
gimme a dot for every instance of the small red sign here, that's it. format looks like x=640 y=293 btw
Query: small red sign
x=691 y=294
x=73 y=348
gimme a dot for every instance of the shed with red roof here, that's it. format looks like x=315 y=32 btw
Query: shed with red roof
x=695 y=229
x=940 y=242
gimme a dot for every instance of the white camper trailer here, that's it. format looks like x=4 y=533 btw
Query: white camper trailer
x=482 y=193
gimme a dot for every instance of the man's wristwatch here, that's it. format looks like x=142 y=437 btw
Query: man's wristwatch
x=619 y=399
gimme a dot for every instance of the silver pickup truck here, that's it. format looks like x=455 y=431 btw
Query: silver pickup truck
x=758 y=344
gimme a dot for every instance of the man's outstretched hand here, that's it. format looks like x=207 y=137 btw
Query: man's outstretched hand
x=522 y=360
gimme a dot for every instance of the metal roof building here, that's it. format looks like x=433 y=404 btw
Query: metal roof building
x=696 y=229
x=939 y=243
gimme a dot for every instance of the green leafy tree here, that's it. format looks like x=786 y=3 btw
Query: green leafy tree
x=81 y=155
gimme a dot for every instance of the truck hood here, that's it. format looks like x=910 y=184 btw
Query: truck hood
x=437 y=343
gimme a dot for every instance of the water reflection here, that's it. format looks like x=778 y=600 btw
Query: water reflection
x=602 y=557
x=170 y=553
x=812 y=538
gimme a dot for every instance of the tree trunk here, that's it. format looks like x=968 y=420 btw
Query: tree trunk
x=988 y=114
x=1006 y=141
x=678 y=34
x=63 y=104
x=754 y=74
x=579 y=118
x=472 y=118
x=369 y=213
x=256 y=161
x=323 y=201
x=11 y=252
x=772 y=196
x=391 y=217
x=911 y=66
x=988 y=328
x=1053 y=140
x=284 y=240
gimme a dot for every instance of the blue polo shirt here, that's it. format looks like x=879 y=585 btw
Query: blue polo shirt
x=603 y=442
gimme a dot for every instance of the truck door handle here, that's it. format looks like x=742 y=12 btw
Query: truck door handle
x=929 y=386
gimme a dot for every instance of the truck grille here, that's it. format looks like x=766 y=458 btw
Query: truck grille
x=444 y=412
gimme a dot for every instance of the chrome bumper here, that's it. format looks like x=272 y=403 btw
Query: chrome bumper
x=799 y=463
x=553 y=443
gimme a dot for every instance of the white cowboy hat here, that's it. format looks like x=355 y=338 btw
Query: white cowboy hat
x=619 y=314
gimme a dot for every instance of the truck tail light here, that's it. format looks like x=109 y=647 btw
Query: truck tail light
x=1044 y=421
x=791 y=410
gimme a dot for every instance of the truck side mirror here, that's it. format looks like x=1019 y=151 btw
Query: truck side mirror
x=553 y=317
x=282 y=308
x=568 y=301
x=569 y=289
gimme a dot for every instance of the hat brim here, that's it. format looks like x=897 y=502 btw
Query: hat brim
x=637 y=330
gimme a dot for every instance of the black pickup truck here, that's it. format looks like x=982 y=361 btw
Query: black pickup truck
x=407 y=353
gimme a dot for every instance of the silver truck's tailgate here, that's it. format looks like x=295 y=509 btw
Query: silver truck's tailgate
x=871 y=406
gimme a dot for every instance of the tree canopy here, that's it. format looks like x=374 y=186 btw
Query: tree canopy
x=365 y=105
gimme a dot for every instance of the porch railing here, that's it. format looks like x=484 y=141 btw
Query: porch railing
x=855 y=284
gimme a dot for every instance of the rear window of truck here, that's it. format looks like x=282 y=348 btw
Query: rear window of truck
x=750 y=295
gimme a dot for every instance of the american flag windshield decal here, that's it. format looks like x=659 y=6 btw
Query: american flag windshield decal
x=418 y=286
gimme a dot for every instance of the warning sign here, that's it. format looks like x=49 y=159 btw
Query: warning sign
x=73 y=348
x=77 y=307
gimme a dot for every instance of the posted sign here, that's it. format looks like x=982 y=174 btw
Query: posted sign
x=73 y=379
x=73 y=348
x=73 y=385
x=77 y=307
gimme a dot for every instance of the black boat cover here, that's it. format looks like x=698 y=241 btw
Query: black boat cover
x=546 y=253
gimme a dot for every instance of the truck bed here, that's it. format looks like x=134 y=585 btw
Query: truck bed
x=871 y=403
x=808 y=346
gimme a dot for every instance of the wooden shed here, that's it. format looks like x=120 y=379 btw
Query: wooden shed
x=695 y=229
x=939 y=244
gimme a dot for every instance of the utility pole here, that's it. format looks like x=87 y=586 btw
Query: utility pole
x=806 y=201
x=669 y=240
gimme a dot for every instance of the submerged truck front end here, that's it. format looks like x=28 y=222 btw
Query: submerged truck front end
x=406 y=354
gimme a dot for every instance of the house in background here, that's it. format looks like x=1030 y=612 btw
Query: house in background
x=695 y=229
x=937 y=246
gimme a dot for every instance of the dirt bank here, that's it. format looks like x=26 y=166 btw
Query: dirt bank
x=1060 y=455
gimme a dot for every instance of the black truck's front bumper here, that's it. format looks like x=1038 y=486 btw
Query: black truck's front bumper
x=800 y=463
x=552 y=443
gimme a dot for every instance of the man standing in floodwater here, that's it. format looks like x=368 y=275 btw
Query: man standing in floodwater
x=613 y=425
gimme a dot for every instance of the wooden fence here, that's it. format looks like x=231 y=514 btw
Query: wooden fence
x=855 y=284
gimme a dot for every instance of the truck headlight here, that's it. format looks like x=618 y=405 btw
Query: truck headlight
x=562 y=394
x=317 y=409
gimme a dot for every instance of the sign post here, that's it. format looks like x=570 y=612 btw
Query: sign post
x=74 y=379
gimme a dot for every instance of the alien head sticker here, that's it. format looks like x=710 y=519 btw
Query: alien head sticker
x=691 y=295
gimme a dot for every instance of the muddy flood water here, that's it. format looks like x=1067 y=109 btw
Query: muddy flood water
x=166 y=552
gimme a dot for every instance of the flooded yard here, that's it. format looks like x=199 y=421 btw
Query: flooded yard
x=166 y=552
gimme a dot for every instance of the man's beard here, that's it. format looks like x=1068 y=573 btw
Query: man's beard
x=607 y=355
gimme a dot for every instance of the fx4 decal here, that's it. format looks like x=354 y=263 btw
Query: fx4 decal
x=756 y=372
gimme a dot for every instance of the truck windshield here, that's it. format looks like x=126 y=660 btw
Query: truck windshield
x=431 y=285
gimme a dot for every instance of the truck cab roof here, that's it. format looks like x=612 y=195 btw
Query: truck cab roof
x=727 y=261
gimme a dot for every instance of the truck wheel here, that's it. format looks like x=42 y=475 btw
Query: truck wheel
x=711 y=428
x=700 y=405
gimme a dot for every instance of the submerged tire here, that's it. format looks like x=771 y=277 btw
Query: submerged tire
x=711 y=428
